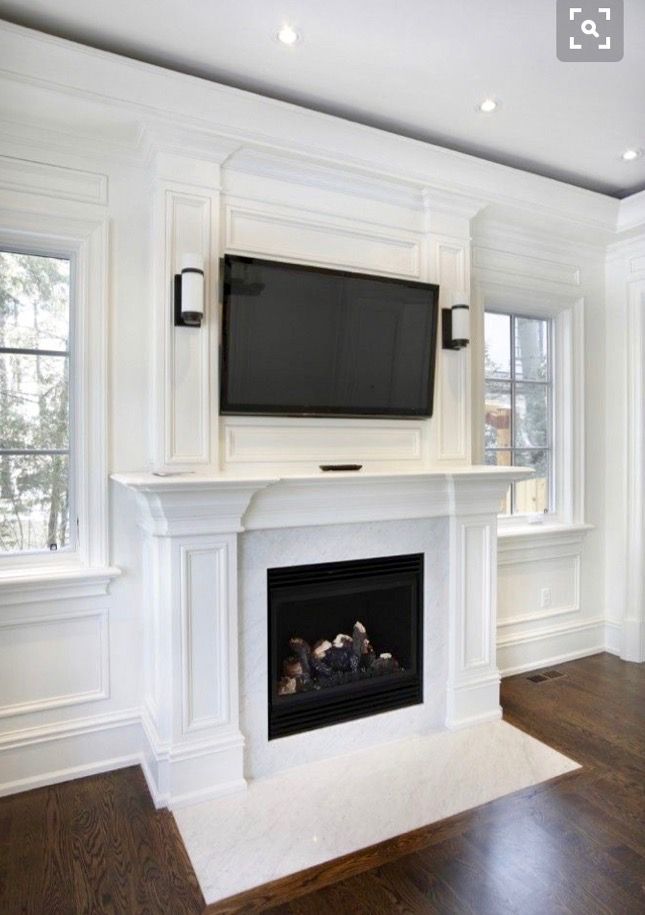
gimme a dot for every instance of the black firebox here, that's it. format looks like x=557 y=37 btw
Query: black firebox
x=345 y=641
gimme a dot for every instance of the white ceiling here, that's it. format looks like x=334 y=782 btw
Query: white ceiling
x=416 y=67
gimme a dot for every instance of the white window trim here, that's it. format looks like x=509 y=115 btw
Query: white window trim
x=567 y=314
x=85 y=243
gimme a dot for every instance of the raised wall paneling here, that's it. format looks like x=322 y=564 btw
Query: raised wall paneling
x=473 y=684
x=204 y=612
x=537 y=588
x=452 y=396
x=186 y=221
x=52 y=181
x=52 y=661
x=187 y=378
x=295 y=235
x=302 y=440
x=637 y=265
x=536 y=628
x=476 y=643
x=300 y=235
x=525 y=267
x=633 y=648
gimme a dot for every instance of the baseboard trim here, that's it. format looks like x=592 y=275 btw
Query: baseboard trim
x=31 y=757
x=613 y=636
x=552 y=661
x=522 y=652
x=69 y=774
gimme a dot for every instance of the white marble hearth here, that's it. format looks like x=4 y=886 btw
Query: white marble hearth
x=208 y=542
x=315 y=813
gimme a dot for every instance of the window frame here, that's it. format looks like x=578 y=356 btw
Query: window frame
x=84 y=243
x=549 y=385
x=72 y=546
x=567 y=315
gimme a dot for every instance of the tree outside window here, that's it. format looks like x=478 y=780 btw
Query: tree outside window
x=34 y=402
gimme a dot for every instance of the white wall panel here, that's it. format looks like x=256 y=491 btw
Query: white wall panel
x=251 y=441
x=312 y=238
x=522 y=589
x=48 y=662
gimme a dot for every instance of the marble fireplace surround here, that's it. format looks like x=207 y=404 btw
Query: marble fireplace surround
x=207 y=543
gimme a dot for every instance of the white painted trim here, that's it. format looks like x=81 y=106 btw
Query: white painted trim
x=75 y=727
x=633 y=646
x=552 y=661
x=44 y=585
x=102 y=690
x=549 y=631
x=196 y=113
x=45 y=180
x=42 y=748
x=348 y=231
x=528 y=618
x=613 y=636
x=525 y=651
x=86 y=243
x=497 y=291
x=186 y=218
x=57 y=776
x=631 y=212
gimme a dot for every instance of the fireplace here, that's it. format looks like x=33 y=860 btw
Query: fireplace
x=345 y=641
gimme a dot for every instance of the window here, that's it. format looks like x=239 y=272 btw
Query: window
x=35 y=460
x=519 y=406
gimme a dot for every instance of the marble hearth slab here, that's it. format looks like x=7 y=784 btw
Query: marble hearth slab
x=305 y=816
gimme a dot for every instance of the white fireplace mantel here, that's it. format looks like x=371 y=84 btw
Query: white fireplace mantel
x=190 y=525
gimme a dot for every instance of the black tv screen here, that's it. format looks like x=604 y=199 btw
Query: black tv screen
x=304 y=341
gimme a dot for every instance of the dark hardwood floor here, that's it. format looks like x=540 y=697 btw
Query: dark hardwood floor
x=94 y=846
x=575 y=845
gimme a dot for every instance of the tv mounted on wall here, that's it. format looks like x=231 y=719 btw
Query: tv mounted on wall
x=306 y=341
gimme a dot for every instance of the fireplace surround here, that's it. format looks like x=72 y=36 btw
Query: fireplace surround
x=345 y=641
x=208 y=542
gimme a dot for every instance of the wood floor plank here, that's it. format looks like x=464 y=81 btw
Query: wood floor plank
x=572 y=846
x=95 y=846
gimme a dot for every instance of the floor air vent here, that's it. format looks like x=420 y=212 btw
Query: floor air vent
x=547 y=675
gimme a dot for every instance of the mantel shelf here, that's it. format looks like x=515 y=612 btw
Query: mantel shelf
x=227 y=502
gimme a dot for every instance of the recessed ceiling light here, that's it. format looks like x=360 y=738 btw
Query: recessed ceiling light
x=630 y=154
x=488 y=105
x=288 y=35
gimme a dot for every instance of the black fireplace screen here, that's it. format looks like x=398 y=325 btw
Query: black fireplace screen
x=345 y=641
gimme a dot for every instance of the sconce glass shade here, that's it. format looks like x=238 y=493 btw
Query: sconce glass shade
x=460 y=320
x=192 y=289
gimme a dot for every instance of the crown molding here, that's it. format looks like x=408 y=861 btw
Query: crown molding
x=552 y=242
x=631 y=213
x=452 y=203
x=196 y=109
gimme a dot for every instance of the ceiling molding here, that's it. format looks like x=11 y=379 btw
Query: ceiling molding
x=161 y=106
x=631 y=213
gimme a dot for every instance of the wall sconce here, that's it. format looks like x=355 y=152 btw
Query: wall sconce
x=189 y=292
x=455 y=323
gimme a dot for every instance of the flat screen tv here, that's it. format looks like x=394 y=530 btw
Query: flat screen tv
x=305 y=341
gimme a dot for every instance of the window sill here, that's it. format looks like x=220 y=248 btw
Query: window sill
x=534 y=542
x=40 y=583
x=520 y=530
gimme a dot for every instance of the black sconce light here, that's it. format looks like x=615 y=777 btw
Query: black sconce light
x=189 y=292
x=455 y=324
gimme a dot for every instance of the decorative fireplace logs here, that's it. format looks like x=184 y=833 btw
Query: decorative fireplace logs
x=345 y=660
